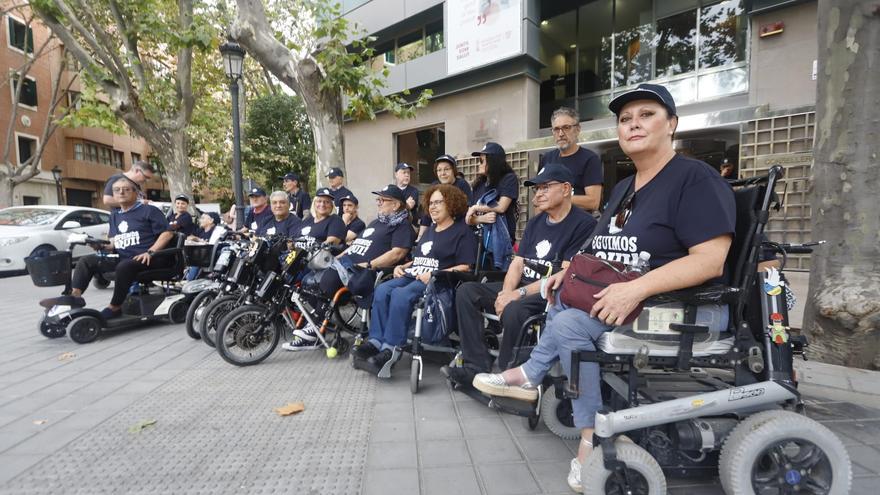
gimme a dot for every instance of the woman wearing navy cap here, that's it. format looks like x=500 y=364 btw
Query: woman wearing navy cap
x=677 y=209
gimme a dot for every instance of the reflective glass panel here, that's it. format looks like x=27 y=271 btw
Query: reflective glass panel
x=722 y=34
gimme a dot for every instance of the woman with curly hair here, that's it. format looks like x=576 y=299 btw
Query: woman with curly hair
x=449 y=245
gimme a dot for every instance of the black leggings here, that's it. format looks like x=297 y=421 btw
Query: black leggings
x=126 y=270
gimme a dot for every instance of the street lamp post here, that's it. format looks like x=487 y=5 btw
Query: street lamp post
x=56 y=174
x=233 y=62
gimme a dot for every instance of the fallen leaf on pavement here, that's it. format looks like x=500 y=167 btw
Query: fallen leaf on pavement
x=67 y=356
x=40 y=421
x=290 y=408
x=142 y=425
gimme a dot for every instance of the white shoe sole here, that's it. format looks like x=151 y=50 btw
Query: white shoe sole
x=517 y=392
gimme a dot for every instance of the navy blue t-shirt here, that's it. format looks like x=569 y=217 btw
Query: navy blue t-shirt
x=378 y=239
x=544 y=242
x=135 y=230
x=410 y=191
x=583 y=164
x=182 y=223
x=459 y=183
x=300 y=202
x=313 y=232
x=357 y=226
x=685 y=204
x=290 y=226
x=507 y=186
x=456 y=245
x=253 y=220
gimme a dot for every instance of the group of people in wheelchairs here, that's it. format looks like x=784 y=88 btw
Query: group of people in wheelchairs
x=686 y=366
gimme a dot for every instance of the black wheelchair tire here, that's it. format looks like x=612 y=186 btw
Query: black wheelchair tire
x=414 y=370
x=51 y=331
x=551 y=410
x=200 y=301
x=84 y=329
x=215 y=312
x=178 y=311
x=227 y=326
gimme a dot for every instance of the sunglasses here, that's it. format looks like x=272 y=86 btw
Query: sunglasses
x=625 y=210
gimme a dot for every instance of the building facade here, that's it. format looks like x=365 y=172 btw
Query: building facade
x=85 y=157
x=743 y=73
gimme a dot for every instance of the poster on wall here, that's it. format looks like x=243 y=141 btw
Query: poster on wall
x=481 y=32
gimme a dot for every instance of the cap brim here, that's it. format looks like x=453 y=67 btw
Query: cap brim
x=478 y=153
x=637 y=94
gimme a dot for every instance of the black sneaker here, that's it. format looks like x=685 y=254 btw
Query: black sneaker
x=459 y=376
x=380 y=358
x=364 y=351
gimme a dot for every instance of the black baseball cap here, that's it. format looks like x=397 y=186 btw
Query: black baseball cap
x=654 y=92
x=181 y=197
x=335 y=172
x=447 y=158
x=393 y=192
x=290 y=176
x=257 y=191
x=489 y=148
x=551 y=172
x=348 y=197
x=325 y=192
x=401 y=166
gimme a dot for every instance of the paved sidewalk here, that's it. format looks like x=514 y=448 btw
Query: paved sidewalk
x=67 y=414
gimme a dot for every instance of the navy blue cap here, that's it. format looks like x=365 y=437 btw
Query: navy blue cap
x=348 y=197
x=489 y=148
x=392 y=191
x=447 y=158
x=214 y=216
x=325 y=192
x=290 y=176
x=401 y=166
x=551 y=172
x=257 y=191
x=335 y=172
x=181 y=197
x=644 y=92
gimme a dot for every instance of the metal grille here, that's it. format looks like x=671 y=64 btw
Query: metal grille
x=786 y=141
x=519 y=162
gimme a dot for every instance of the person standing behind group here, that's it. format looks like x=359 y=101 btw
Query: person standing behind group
x=300 y=201
x=139 y=173
x=336 y=180
x=446 y=170
x=496 y=190
x=585 y=166
x=403 y=177
x=179 y=218
x=353 y=224
x=259 y=211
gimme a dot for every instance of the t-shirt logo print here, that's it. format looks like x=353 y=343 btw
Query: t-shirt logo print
x=543 y=248
x=123 y=226
x=306 y=230
x=426 y=247
x=368 y=232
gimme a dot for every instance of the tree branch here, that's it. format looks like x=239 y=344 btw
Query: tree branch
x=134 y=56
x=184 y=68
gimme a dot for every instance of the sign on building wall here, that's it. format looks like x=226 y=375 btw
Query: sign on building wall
x=482 y=127
x=481 y=32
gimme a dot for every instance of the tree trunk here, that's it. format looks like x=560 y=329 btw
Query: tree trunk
x=174 y=154
x=842 y=313
x=7 y=187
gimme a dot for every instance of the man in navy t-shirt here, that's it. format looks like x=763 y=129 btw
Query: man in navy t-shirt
x=300 y=201
x=349 y=215
x=336 y=181
x=283 y=221
x=259 y=211
x=550 y=240
x=136 y=232
x=403 y=178
x=585 y=166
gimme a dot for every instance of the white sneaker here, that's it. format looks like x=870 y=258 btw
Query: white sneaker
x=308 y=332
x=494 y=384
x=574 y=476
x=298 y=344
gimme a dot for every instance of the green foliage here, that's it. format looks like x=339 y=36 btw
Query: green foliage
x=92 y=112
x=278 y=139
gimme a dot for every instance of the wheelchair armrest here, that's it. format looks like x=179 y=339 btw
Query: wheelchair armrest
x=167 y=251
x=490 y=276
x=701 y=294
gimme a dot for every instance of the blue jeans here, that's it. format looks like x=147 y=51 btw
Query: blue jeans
x=393 y=303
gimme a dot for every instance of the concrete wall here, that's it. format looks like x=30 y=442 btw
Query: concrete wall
x=376 y=15
x=782 y=65
x=370 y=149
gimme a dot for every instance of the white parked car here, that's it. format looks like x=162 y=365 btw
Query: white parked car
x=27 y=230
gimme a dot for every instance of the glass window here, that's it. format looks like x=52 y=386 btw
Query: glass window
x=118 y=159
x=28 y=91
x=21 y=36
x=434 y=37
x=410 y=46
x=26 y=149
x=104 y=155
x=92 y=153
x=676 y=44
x=78 y=151
x=722 y=34
x=595 y=21
x=558 y=49
x=135 y=157
x=633 y=40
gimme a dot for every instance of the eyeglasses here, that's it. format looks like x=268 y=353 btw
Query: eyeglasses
x=122 y=189
x=625 y=210
x=544 y=188
x=436 y=202
x=563 y=128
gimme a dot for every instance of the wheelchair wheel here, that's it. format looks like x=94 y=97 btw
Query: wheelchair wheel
x=195 y=312
x=245 y=337
x=84 y=329
x=215 y=311
x=177 y=312
x=557 y=415
x=643 y=471
x=50 y=330
x=788 y=452
x=414 y=369
x=346 y=316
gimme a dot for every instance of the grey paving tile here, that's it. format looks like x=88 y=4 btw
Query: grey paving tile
x=459 y=480
x=865 y=486
x=493 y=450
x=544 y=448
x=388 y=392
x=385 y=481
x=13 y=465
x=392 y=412
x=507 y=479
x=438 y=453
x=434 y=409
x=866 y=456
x=11 y=437
x=865 y=431
x=484 y=427
x=551 y=476
x=437 y=429
x=46 y=442
x=708 y=488
x=473 y=409
x=391 y=455
x=393 y=432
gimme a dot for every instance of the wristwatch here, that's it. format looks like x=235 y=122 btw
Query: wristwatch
x=522 y=291
x=150 y=252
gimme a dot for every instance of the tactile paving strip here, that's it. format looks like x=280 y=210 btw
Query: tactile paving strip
x=216 y=432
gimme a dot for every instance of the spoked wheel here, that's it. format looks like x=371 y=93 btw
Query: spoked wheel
x=196 y=311
x=557 y=415
x=215 y=311
x=346 y=316
x=788 y=453
x=643 y=474
x=246 y=337
x=51 y=330
x=84 y=329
